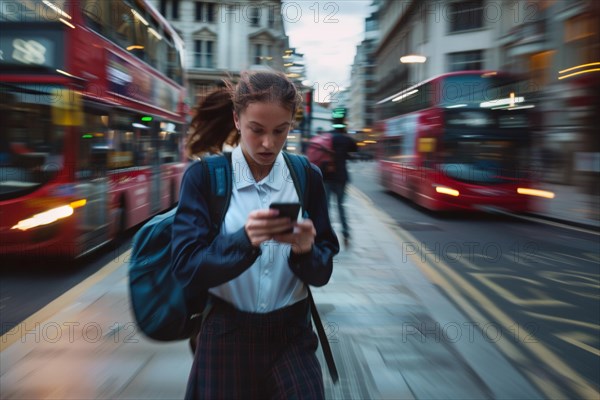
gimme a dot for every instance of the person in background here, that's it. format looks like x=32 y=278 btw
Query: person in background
x=337 y=179
x=257 y=340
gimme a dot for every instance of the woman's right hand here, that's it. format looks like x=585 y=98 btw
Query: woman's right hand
x=262 y=225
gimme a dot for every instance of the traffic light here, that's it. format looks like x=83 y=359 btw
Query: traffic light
x=338 y=117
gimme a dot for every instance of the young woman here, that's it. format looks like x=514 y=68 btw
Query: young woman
x=257 y=341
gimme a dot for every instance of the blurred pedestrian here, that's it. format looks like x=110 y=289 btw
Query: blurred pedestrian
x=257 y=340
x=336 y=179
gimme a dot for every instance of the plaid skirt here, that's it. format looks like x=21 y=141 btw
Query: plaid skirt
x=244 y=355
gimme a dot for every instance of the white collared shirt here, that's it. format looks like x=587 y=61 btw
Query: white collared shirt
x=269 y=284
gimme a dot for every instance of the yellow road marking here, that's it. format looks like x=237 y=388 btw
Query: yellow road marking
x=563 y=320
x=577 y=338
x=61 y=302
x=507 y=295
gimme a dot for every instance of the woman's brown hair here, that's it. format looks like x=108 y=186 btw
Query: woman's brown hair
x=213 y=125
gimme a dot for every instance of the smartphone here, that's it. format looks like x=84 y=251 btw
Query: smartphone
x=289 y=210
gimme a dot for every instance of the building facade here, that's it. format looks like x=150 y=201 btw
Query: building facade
x=222 y=38
x=362 y=87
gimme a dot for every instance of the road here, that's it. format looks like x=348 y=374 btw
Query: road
x=27 y=285
x=532 y=288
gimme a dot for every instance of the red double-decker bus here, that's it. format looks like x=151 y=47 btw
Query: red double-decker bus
x=459 y=141
x=93 y=117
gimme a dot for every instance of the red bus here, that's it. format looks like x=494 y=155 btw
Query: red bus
x=93 y=119
x=459 y=141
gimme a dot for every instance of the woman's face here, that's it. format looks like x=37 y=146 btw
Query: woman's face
x=264 y=128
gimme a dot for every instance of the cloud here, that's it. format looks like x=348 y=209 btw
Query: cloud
x=327 y=33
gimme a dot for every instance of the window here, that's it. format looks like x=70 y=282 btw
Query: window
x=203 y=54
x=258 y=53
x=465 y=60
x=205 y=12
x=95 y=13
x=122 y=24
x=465 y=15
x=140 y=27
x=174 y=70
x=271 y=20
x=155 y=46
x=204 y=49
x=163 y=8
x=175 y=9
x=254 y=16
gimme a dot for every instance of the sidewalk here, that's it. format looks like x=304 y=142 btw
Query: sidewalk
x=572 y=206
x=393 y=335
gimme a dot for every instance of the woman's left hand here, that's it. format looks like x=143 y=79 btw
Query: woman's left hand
x=301 y=239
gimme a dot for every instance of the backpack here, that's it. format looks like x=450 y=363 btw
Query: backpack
x=321 y=153
x=158 y=303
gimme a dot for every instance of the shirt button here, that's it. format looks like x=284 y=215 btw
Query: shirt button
x=263 y=306
x=267 y=272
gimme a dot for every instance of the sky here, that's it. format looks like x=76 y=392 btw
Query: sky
x=327 y=33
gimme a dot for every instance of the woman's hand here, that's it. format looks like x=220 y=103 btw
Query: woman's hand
x=301 y=239
x=263 y=225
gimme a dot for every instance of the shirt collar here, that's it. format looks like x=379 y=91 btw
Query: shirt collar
x=242 y=177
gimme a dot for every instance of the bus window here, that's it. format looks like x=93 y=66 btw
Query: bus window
x=140 y=34
x=94 y=144
x=95 y=14
x=154 y=44
x=122 y=24
x=31 y=145
x=392 y=148
x=168 y=142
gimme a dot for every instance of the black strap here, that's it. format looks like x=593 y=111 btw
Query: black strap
x=323 y=338
x=299 y=165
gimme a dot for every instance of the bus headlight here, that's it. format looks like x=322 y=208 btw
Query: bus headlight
x=536 y=192
x=447 y=190
x=50 y=216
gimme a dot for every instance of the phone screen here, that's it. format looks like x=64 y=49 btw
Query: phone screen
x=289 y=210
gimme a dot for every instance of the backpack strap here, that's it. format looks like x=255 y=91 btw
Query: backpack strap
x=300 y=172
x=218 y=168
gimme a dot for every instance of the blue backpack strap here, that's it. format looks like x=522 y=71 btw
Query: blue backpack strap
x=218 y=168
x=299 y=171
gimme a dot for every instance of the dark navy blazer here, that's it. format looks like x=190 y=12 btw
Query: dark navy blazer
x=199 y=264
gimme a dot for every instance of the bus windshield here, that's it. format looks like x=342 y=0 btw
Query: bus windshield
x=485 y=161
x=479 y=91
x=31 y=145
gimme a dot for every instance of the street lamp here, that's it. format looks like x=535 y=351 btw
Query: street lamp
x=413 y=59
